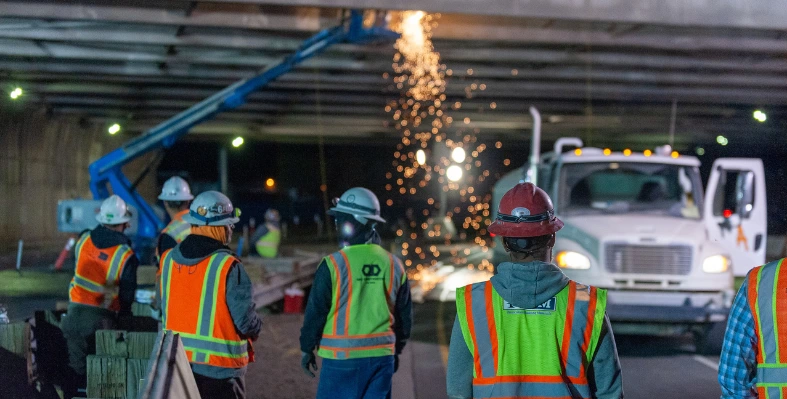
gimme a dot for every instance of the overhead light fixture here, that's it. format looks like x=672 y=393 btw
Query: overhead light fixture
x=420 y=157
x=722 y=140
x=16 y=93
x=700 y=151
x=270 y=183
x=454 y=173
x=760 y=116
x=458 y=154
x=114 y=129
x=237 y=142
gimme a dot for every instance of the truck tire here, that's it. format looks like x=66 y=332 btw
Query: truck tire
x=710 y=338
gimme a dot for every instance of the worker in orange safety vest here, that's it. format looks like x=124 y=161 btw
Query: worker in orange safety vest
x=102 y=290
x=206 y=297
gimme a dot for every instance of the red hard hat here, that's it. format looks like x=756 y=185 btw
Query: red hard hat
x=525 y=211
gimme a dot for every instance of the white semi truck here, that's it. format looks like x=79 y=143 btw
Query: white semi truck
x=640 y=226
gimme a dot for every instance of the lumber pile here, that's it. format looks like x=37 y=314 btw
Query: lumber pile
x=120 y=362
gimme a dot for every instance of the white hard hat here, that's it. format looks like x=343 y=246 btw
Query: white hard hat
x=113 y=211
x=212 y=208
x=175 y=189
x=359 y=202
x=272 y=215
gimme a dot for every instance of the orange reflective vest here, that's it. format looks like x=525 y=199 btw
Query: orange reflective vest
x=767 y=298
x=97 y=275
x=193 y=303
x=365 y=281
x=531 y=353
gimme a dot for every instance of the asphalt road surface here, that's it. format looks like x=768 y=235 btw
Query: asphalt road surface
x=652 y=367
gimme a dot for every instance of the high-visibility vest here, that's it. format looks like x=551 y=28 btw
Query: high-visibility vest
x=177 y=228
x=97 y=275
x=365 y=281
x=531 y=353
x=193 y=303
x=268 y=245
x=767 y=298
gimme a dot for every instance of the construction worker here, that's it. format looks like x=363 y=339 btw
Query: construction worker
x=268 y=237
x=530 y=331
x=754 y=354
x=103 y=287
x=176 y=195
x=359 y=311
x=206 y=298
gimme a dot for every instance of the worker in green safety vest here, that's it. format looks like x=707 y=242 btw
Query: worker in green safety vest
x=268 y=237
x=530 y=331
x=359 y=311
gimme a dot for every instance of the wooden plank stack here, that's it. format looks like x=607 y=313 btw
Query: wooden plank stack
x=120 y=363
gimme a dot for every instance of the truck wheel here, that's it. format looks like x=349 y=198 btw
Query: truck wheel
x=709 y=339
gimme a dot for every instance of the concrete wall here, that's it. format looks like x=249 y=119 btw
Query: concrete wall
x=44 y=159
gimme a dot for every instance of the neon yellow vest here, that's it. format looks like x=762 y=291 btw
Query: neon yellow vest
x=365 y=280
x=268 y=245
x=524 y=353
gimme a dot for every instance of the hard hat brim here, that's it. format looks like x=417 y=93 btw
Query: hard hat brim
x=354 y=212
x=121 y=220
x=187 y=197
x=224 y=222
x=507 y=229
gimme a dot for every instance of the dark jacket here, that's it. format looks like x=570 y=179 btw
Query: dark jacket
x=104 y=238
x=238 y=296
x=527 y=285
x=319 y=306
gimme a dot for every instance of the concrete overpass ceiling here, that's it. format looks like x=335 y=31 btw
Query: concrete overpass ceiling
x=596 y=67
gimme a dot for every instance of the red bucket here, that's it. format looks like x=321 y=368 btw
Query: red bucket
x=293 y=300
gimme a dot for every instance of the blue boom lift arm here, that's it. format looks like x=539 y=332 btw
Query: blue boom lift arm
x=108 y=168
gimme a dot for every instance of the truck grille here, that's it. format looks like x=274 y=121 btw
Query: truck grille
x=628 y=258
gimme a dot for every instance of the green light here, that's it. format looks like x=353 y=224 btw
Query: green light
x=760 y=116
x=722 y=140
x=237 y=142
x=700 y=151
x=16 y=93
x=114 y=129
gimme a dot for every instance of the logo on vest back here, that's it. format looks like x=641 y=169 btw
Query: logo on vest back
x=103 y=256
x=548 y=306
x=371 y=270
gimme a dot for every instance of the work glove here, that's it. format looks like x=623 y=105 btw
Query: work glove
x=308 y=363
x=396 y=363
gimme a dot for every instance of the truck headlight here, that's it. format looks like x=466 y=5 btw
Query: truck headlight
x=715 y=264
x=572 y=260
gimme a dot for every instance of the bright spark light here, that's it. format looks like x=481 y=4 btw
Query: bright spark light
x=420 y=157
x=454 y=173
x=237 y=142
x=16 y=93
x=458 y=154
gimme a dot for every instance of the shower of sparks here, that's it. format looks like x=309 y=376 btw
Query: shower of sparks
x=429 y=147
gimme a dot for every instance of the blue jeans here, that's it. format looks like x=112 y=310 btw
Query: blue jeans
x=366 y=378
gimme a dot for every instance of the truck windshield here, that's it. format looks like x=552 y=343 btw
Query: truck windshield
x=629 y=187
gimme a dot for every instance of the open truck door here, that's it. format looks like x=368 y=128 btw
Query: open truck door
x=735 y=211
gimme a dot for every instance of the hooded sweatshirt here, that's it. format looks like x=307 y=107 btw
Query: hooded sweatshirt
x=527 y=285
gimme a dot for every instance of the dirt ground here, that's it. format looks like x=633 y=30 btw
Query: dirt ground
x=277 y=373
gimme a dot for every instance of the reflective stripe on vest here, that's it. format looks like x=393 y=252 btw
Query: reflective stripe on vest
x=767 y=299
x=97 y=274
x=365 y=331
x=581 y=321
x=178 y=230
x=193 y=304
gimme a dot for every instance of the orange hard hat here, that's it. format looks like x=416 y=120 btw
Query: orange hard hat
x=525 y=211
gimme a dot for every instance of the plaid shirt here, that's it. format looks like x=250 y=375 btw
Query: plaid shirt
x=738 y=363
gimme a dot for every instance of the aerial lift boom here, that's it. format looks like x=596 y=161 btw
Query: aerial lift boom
x=107 y=169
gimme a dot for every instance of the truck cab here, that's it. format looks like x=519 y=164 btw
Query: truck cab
x=640 y=226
